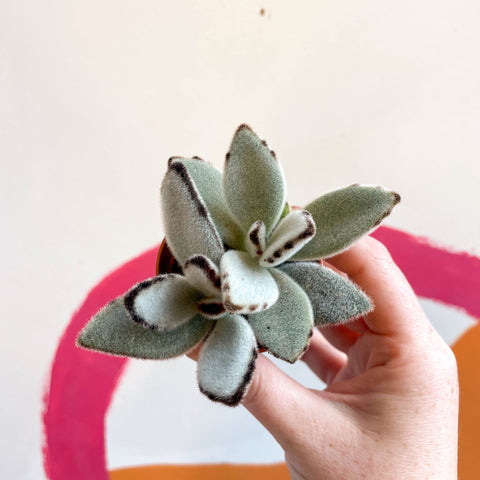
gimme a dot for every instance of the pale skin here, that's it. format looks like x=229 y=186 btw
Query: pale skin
x=390 y=408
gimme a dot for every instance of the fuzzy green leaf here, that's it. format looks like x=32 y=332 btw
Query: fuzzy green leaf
x=203 y=274
x=246 y=286
x=163 y=302
x=255 y=240
x=112 y=331
x=334 y=299
x=290 y=235
x=189 y=229
x=227 y=360
x=253 y=181
x=285 y=328
x=344 y=216
x=208 y=181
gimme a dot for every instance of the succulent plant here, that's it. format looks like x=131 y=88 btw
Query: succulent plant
x=250 y=271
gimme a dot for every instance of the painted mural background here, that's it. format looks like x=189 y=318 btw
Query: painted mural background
x=96 y=96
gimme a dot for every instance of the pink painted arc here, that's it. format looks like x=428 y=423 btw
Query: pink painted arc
x=435 y=273
x=82 y=383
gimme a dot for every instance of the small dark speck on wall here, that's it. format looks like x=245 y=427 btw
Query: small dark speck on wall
x=262 y=12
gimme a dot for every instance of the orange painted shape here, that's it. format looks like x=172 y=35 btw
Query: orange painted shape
x=203 y=472
x=467 y=352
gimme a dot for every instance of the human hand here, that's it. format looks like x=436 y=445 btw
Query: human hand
x=390 y=408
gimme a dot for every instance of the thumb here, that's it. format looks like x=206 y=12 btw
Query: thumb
x=286 y=408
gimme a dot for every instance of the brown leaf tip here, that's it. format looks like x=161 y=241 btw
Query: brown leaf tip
x=254 y=237
x=202 y=263
x=242 y=127
x=310 y=228
x=129 y=299
x=211 y=309
x=237 y=397
x=172 y=160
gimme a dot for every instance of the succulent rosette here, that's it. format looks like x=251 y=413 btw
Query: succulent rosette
x=251 y=275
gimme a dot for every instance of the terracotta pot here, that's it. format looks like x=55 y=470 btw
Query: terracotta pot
x=166 y=262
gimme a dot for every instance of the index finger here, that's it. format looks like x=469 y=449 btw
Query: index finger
x=397 y=311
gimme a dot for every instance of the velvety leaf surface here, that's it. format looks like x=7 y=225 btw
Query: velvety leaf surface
x=163 y=302
x=246 y=286
x=286 y=327
x=203 y=274
x=112 y=331
x=189 y=228
x=253 y=181
x=291 y=234
x=255 y=239
x=334 y=299
x=208 y=181
x=345 y=215
x=227 y=360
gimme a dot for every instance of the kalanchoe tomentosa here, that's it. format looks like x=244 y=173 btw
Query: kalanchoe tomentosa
x=250 y=270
